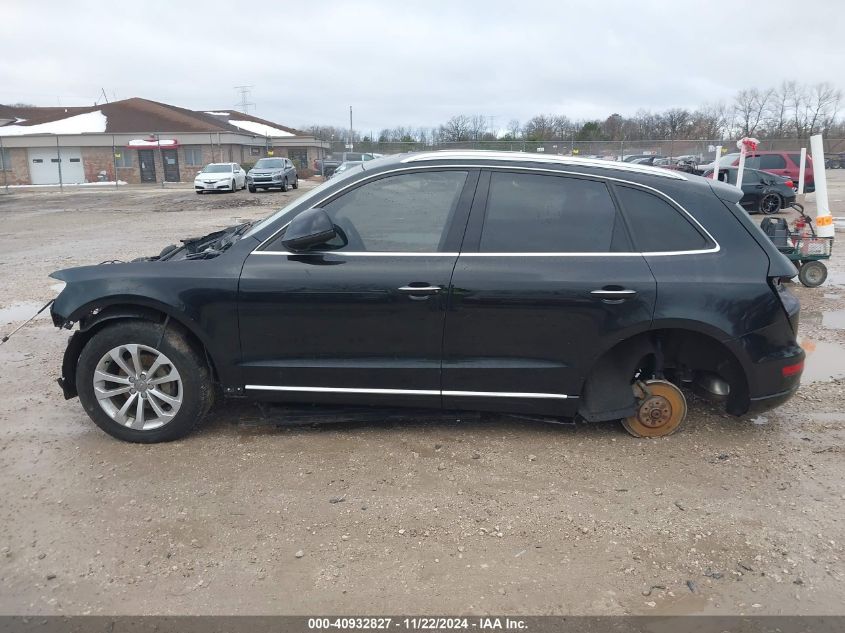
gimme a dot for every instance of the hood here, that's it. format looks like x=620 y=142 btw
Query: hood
x=263 y=171
x=225 y=175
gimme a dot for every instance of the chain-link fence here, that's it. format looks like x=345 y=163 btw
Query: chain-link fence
x=701 y=149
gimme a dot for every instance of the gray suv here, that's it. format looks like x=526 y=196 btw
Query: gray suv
x=270 y=173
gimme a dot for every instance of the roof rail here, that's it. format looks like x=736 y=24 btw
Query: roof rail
x=451 y=154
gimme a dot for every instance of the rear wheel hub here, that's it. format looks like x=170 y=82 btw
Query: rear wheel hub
x=661 y=409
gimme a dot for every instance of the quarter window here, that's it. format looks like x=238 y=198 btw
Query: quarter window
x=530 y=213
x=656 y=225
x=404 y=213
x=193 y=156
x=5 y=160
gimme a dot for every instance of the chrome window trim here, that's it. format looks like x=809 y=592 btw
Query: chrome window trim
x=715 y=249
x=414 y=392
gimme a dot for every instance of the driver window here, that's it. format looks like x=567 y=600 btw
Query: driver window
x=404 y=213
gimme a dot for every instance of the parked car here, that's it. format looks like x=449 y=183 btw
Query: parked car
x=726 y=160
x=492 y=281
x=272 y=173
x=779 y=163
x=647 y=160
x=220 y=177
x=346 y=166
x=762 y=192
x=640 y=159
x=834 y=161
x=327 y=166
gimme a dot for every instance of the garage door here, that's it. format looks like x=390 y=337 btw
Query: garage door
x=44 y=165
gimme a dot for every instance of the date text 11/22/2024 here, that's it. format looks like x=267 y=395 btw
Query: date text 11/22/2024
x=418 y=623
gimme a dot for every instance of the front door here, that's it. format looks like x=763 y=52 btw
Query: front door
x=146 y=160
x=546 y=281
x=360 y=319
x=171 y=165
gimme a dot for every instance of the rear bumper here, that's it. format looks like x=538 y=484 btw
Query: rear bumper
x=775 y=379
x=766 y=403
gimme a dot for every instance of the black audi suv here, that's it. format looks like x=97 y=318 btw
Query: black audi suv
x=457 y=280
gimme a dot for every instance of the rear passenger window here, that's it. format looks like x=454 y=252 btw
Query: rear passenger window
x=766 y=161
x=656 y=225
x=529 y=213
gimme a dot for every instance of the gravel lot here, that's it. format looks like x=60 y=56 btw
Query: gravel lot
x=413 y=516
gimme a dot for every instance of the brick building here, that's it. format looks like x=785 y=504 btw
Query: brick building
x=138 y=140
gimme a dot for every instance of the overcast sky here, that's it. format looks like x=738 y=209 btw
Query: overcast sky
x=409 y=62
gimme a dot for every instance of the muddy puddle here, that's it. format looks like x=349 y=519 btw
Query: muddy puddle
x=20 y=311
x=834 y=319
x=835 y=278
x=825 y=361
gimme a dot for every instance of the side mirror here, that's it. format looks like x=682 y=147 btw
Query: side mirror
x=309 y=228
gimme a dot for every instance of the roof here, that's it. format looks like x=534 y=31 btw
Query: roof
x=481 y=155
x=135 y=116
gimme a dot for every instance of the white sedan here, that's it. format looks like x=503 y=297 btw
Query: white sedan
x=220 y=177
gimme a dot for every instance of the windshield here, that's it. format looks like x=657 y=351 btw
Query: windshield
x=216 y=169
x=269 y=163
x=727 y=160
x=347 y=166
x=303 y=202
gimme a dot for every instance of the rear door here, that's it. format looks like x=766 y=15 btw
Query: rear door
x=546 y=282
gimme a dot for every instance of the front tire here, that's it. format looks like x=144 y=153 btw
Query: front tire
x=252 y=189
x=139 y=383
x=296 y=183
x=285 y=185
x=234 y=187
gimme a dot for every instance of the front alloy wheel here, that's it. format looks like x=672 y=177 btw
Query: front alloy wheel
x=140 y=381
x=138 y=386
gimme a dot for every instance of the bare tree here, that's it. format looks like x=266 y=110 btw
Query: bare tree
x=514 y=128
x=750 y=106
x=778 y=122
x=823 y=106
x=709 y=122
x=477 y=126
x=456 y=129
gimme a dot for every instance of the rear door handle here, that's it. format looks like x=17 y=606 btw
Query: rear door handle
x=613 y=296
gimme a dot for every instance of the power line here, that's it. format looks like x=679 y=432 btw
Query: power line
x=245 y=103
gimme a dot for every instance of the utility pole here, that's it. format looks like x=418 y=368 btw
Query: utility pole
x=351 y=132
x=245 y=103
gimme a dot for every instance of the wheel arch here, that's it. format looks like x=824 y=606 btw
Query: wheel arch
x=680 y=351
x=94 y=317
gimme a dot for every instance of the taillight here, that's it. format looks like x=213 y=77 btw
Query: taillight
x=789 y=184
x=791 y=370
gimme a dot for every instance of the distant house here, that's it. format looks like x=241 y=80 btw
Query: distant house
x=139 y=141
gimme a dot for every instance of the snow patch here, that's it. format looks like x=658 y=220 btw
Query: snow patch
x=219 y=113
x=259 y=128
x=88 y=123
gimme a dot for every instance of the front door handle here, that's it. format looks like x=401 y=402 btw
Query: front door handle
x=613 y=295
x=421 y=291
